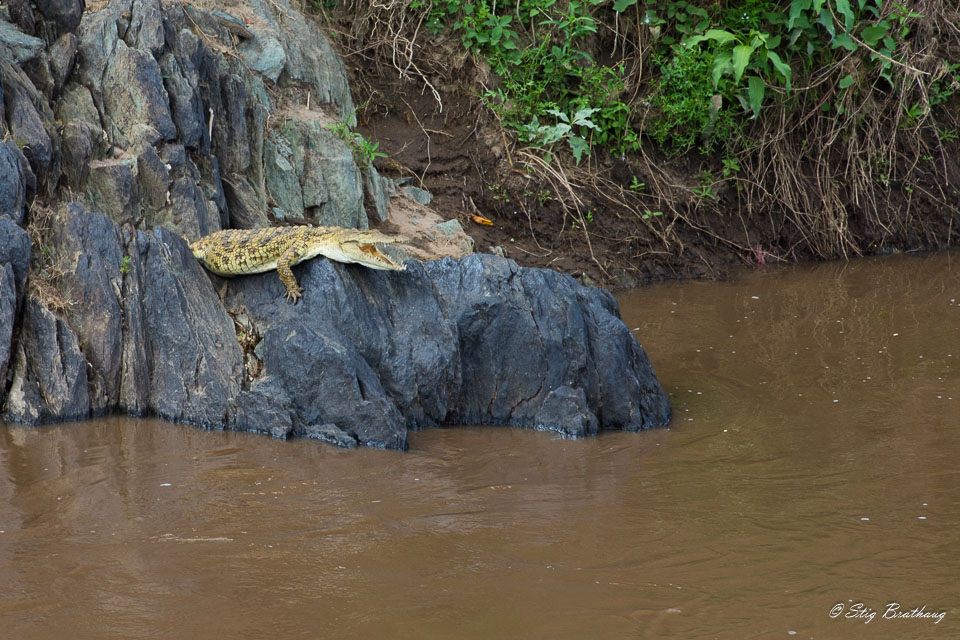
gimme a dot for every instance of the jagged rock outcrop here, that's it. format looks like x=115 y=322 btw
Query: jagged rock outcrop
x=364 y=356
x=136 y=82
x=158 y=120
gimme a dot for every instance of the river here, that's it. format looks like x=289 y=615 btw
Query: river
x=808 y=483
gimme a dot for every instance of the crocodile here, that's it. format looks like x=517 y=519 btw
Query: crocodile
x=233 y=252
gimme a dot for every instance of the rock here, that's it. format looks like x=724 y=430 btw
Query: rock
x=246 y=212
x=310 y=60
x=624 y=279
x=190 y=214
x=230 y=125
x=136 y=105
x=264 y=53
x=149 y=321
x=98 y=40
x=15 y=252
x=77 y=105
x=185 y=103
x=565 y=411
x=62 y=15
x=13 y=182
x=38 y=70
x=62 y=55
x=265 y=408
x=311 y=174
x=450 y=227
x=78 y=149
x=112 y=189
x=375 y=194
x=17 y=47
x=327 y=433
x=153 y=180
x=195 y=363
x=420 y=195
x=32 y=126
x=365 y=355
x=49 y=371
x=21 y=13
x=90 y=248
x=8 y=316
x=14 y=263
x=479 y=341
x=146 y=27
x=311 y=365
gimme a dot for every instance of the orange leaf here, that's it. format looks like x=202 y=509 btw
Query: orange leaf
x=482 y=220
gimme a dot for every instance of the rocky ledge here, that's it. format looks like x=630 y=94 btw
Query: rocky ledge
x=364 y=357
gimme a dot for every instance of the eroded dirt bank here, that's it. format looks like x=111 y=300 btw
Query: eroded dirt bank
x=809 y=185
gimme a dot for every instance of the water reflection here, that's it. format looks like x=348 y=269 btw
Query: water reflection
x=811 y=461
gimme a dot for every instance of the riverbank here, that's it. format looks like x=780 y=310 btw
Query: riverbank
x=835 y=165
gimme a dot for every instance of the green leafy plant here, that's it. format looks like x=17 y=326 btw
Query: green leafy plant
x=364 y=151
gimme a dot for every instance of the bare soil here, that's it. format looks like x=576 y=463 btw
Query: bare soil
x=596 y=223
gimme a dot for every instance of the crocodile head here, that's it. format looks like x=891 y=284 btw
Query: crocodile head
x=360 y=247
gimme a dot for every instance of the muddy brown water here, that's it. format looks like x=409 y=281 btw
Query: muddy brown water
x=811 y=467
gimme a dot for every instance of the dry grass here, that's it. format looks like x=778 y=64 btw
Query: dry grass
x=48 y=269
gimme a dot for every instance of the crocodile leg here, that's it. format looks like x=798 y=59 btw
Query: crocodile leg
x=290 y=257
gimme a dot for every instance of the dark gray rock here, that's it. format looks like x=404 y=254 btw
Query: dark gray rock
x=328 y=381
x=153 y=179
x=63 y=15
x=98 y=40
x=49 y=371
x=14 y=263
x=16 y=47
x=375 y=196
x=146 y=27
x=38 y=70
x=195 y=362
x=13 y=182
x=15 y=251
x=246 y=211
x=77 y=149
x=32 y=126
x=327 y=433
x=62 y=55
x=363 y=357
x=91 y=246
x=265 y=408
x=185 y=103
x=112 y=189
x=565 y=411
x=190 y=214
x=21 y=13
x=479 y=341
x=8 y=316
x=135 y=102
x=148 y=321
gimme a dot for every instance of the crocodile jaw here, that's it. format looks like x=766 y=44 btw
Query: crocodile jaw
x=366 y=254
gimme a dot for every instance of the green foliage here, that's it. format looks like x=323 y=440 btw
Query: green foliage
x=687 y=103
x=125 y=265
x=717 y=66
x=550 y=91
x=364 y=151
